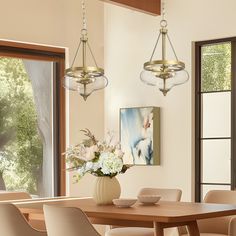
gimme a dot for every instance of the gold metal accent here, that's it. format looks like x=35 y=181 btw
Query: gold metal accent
x=167 y=65
x=81 y=72
x=85 y=79
x=163 y=69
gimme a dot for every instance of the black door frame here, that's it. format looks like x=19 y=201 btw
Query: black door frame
x=198 y=115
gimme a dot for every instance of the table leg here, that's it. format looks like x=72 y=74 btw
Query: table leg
x=158 y=229
x=193 y=228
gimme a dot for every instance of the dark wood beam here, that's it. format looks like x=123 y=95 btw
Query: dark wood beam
x=147 y=6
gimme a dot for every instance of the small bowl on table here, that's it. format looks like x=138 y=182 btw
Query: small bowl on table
x=149 y=199
x=124 y=202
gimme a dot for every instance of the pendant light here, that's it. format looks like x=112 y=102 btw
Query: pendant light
x=84 y=78
x=164 y=73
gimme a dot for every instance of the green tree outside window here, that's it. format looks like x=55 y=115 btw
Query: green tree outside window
x=21 y=149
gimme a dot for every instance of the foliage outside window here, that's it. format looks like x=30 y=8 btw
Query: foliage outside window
x=216 y=67
x=21 y=149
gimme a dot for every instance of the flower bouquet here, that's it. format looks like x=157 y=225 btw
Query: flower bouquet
x=94 y=157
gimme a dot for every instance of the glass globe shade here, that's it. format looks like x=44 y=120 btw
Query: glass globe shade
x=85 y=86
x=165 y=85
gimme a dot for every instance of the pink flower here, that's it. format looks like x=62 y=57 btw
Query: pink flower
x=119 y=153
x=90 y=152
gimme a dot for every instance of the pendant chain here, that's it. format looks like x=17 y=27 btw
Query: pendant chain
x=163 y=9
x=84 y=15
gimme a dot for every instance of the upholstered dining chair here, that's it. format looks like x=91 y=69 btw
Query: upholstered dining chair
x=13 y=223
x=19 y=195
x=67 y=221
x=166 y=195
x=220 y=226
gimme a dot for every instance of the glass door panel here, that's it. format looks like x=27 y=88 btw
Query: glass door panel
x=216 y=115
x=216 y=67
x=216 y=161
x=26 y=138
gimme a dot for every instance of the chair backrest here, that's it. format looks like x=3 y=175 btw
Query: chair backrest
x=13 y=223
x=69 y=221
x=4 y=195
x=10 y=195
x=166 y=194
x=218 y=225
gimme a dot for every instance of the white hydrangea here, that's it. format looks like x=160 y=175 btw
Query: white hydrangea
x=91 y=166
x=96 y=166
x=88 y=166
x=110 y=163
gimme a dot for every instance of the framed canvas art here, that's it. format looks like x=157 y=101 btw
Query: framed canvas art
x=140 y=135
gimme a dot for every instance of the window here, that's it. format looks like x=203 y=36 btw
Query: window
x=215 y=115
x=32 y=119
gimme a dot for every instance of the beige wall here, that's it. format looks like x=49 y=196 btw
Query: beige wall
x=129 y=40
x=58 y=23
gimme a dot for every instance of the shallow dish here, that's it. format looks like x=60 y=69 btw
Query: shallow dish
x=124 y=202
x=149 y=199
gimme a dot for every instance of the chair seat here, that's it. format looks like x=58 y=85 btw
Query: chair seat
x=130 y=231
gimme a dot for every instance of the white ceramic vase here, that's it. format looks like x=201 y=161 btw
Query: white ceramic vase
x=105 y=190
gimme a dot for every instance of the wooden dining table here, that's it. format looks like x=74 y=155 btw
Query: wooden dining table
x=159 y=216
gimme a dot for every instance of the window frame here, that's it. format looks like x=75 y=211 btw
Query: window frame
x=198 y=113
x=57 y=56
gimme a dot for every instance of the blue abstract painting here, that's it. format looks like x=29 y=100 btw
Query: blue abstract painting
x=140 y=135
